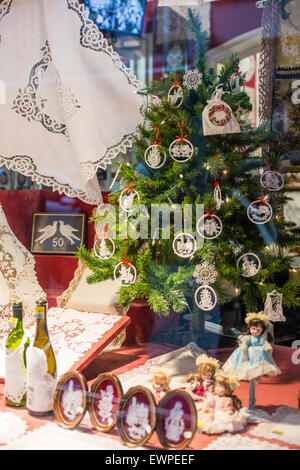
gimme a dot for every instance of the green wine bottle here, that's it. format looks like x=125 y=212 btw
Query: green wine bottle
x=15 y=360
x=41 y=367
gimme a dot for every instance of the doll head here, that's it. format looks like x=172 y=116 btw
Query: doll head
x=225 y=385
x=191 y=380
x=207 y=367
x=161 y=381
x=256 y=323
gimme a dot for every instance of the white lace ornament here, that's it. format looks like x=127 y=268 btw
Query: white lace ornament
x=175 y=94
x=101 y=250
x=105 y=405
x=205 y=273
x=272 y=180
x=249 y=263
x=192 y=79
x=128 y=197
x=125 y=273
x=273 y=306
x=217 y=196
x=72 y=402
x=184 y=245
x=205 y=298
x=181 y=150
x=209 y=226
x=174 y=423
x=259 y=211
x=137 y=420
x=154 y=156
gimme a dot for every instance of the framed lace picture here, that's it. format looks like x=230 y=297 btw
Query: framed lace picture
x=57 y=233
x=70 y=399
x=136 y=416
x=105 y=395
x=176 y=420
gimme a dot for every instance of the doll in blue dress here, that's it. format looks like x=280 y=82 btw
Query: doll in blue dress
x=253 y=358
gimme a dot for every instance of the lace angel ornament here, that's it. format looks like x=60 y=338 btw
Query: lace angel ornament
x=273 y=306
x=174 y=424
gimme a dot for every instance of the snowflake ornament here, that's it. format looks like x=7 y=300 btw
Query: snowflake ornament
x=205 y=273
x=192 y=79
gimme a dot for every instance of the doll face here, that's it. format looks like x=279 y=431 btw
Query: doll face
x=255 y=330
x=220 y=390
x=159 y=385
x=207 y=375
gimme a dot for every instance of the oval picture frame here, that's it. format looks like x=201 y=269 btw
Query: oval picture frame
x=176 y=420
x=136 y=430
x=106 y=392
x=69 y=404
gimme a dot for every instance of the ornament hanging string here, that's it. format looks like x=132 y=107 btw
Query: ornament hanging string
x=268 y=165
x=263 y=198
x=216 y=184
x=130 y=188
x=124 y=260
x=156 y=137
x=182 y=137
x=176 y=84
x=238 y=72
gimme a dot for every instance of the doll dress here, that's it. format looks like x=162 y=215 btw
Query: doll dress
x=221 y=417
x=253 y=363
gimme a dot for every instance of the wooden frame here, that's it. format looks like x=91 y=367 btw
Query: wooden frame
x=111 y=404
x=186 y=423
x=65 y=386
x=57 y=233
x=136 y=397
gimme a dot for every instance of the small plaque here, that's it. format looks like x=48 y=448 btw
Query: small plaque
x=176 y=420
x=136 y=416
x=57 y=233
x=105 y=395
x=70 y=399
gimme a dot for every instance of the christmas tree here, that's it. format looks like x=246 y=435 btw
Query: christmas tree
x=232 y=175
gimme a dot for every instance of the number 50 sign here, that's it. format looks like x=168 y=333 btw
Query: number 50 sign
x=57 y=233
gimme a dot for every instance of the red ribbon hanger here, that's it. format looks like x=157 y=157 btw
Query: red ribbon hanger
x=182 y=137
x=129 y=188
x=156 y=137
x=211 y=214
x=216 y=184
x=124 y=260
x=238 y=72
x=263 y=198
x=267 y=163
x=176 y=84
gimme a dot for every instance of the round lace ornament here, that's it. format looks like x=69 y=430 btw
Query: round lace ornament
x=125 y=273
x=127 y=198
x=205 y=273
x=209 y=226
x=259 y=211
x=192 y=79
x=175 y=94
x=154 y=156
x=101 y=250
x=181 y=150
x=184 y=245
x=249 y=263
x=205 y=298
x=272 y=180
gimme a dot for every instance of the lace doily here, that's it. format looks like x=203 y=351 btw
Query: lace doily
x=11 y=427
x=17 y=266
x=284 y=425
x=238 y=442
x=52 y=437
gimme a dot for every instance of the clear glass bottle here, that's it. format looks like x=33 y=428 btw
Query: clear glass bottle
x=15 y=360
x=42 y=369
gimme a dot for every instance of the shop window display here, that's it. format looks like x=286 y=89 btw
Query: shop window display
x=171 y=127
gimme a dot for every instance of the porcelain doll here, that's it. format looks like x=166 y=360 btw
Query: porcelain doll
x=219 y=412
x=200 y=384
x=253 y=358
x=160 y=384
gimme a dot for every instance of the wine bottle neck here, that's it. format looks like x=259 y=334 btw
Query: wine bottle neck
x=41 y=325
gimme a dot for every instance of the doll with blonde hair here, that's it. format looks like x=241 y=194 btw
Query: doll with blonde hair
x=220 y=412
x=201 y=384
x=160 y=383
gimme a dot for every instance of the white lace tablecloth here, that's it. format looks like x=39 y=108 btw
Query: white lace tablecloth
x=72 y=334
x=239 y=442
